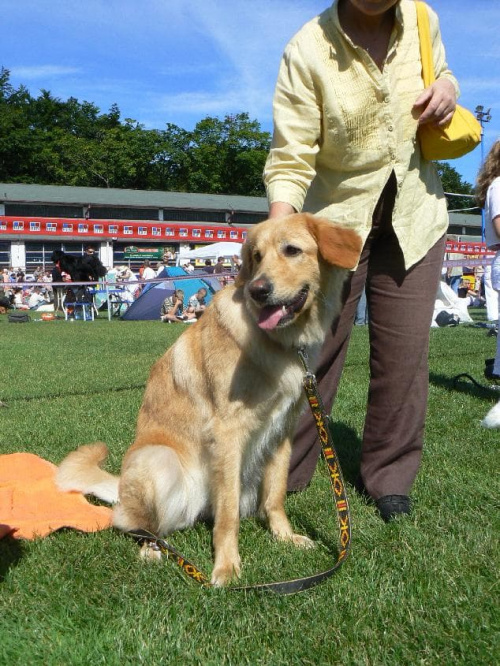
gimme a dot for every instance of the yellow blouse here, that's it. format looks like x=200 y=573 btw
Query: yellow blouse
x=341 y=126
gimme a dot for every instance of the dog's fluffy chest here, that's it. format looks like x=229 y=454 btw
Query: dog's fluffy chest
x=276 y=423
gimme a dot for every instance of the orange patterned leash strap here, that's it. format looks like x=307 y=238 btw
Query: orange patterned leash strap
x=339 y=494
x=158 y=544
x=330 y=456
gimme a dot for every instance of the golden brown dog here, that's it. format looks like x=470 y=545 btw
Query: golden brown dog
x=213 y=433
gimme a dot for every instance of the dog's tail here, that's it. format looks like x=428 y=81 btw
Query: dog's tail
x=80 y=471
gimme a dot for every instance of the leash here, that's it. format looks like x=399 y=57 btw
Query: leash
x=339 y=496
x=484 y=387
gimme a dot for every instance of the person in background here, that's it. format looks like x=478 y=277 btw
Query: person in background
x=92 y=264
x=37 y=274
x=172 y=309
x=219 y=266
x=488 y=197
x=196 y=304
x=361 y=316
x=454 y=274
x=491 y=297
x=37 y=298
x=18 y=300
x=347 y=107
x=208 y=266
x=148 y=273
x=130 y=287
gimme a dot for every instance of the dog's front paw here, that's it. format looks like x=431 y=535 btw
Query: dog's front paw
x=224 y=573
x=301 y=541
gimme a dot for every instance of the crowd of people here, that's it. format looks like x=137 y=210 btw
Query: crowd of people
x=42 y=290
x=18 y=294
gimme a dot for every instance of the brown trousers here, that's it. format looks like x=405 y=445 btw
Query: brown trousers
x=400 y=307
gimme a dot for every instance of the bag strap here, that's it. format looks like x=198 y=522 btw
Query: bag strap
x=424 y=32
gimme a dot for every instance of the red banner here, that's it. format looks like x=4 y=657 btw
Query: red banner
x=125 y=230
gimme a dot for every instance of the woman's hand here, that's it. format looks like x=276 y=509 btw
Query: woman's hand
x=437 y=103
x=280 y=209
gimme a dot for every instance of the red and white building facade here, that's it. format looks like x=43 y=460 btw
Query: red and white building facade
x=36 y=219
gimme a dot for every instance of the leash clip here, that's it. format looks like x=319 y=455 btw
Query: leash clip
x=304 y=358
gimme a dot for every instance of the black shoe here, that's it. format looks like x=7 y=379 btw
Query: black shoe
x=489 y=374
x=489 y=361
x=391 y=506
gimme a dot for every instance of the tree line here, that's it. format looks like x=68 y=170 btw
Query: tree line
x=47 y=141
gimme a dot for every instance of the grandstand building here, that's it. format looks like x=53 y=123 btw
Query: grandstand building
x=127 y=226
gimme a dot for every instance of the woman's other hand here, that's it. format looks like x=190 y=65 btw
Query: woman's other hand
x=436 y=104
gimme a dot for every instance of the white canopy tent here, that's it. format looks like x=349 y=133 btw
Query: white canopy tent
x=212 y=251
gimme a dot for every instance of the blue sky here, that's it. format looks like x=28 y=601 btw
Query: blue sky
x=177 y=61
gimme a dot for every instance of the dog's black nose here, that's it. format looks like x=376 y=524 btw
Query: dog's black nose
x=260 y=289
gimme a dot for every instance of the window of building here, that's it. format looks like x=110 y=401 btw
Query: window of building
x=39 y=253
x=248 y=218
x=5 y=255
x=42 y=210
x=184 y=215
x=116 y=213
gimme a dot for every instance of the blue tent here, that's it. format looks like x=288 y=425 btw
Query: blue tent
x=148 y=304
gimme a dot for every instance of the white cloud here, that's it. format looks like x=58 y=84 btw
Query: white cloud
x=43 y=71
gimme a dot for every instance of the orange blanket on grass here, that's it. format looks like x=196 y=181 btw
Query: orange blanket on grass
x=32 y=506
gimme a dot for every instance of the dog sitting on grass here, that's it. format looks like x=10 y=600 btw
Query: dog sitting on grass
x=220 y=407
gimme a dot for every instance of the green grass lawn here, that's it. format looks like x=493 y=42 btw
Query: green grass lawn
x=417 y=591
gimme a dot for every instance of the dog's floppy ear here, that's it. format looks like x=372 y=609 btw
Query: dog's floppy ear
x=245 y=272
x=337 y=246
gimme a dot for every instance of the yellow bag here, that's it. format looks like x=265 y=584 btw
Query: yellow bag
x=463 y=132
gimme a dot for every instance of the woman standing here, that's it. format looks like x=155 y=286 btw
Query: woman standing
x=488 y=197
x=348 y=103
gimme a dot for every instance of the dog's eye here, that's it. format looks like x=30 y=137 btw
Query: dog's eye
x=291 y=251
x=257 y=256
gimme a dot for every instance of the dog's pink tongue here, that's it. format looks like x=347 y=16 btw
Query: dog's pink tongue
x=270 y=317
